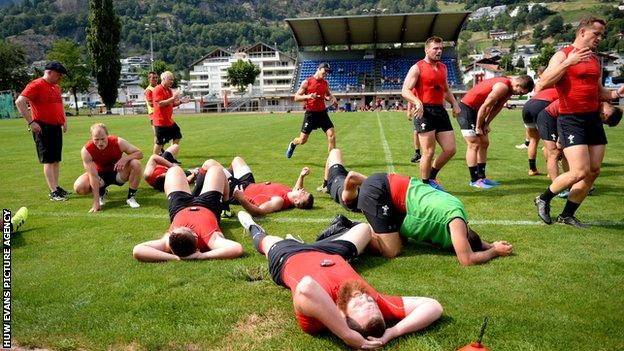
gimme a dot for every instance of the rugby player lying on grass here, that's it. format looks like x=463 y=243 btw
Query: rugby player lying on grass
x=328 y=294
x=194 y=233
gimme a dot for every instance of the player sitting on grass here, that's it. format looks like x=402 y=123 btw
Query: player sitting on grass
x=328 y=294
x=397 y=205
x=194 y=233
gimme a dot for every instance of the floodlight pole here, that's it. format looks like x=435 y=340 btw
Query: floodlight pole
x=150 y=27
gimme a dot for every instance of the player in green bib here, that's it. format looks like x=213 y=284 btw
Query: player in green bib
x=397 y=205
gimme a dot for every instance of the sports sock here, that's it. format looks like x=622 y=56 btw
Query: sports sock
x=547 y=195
x=102 y=190
x=417 y=152
x=425 y=181
x=324 y=183
x=131 y=192
x=168 y=156
x=199 y=182
x=569 y=209
x=434 y=173
x=526 y=142
x=481 y=170
x=532 y=165
x=257 y=235
x=473 y=173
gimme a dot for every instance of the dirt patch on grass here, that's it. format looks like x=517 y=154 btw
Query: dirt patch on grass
x=255 y=328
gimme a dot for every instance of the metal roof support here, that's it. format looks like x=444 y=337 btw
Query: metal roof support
x=403 y=30
x=348 y=31
x=375 y=30
x=433 y=22
x=318 y=25
x=459 y=28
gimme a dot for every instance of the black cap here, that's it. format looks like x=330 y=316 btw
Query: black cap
x=326 y=66
x=56 y=66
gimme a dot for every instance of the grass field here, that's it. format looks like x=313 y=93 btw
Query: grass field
x=77 y=287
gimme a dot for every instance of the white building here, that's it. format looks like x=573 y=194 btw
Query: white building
x=208 y=74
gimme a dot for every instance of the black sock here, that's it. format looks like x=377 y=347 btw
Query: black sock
x=102 y=190
x=569 y=209
x=532 y=165
x=526 y=142
x=434 y=173
x=257 y=235
x=199 y=182
x=425 y=181
x=417 y=152
x=473 y=173
x=131 y=192
x=547 y=195
x=168 y=156
x=481 y=170
x=324 y=183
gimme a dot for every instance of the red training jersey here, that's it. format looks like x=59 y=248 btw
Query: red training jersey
x=331 y=278
x=105 y=159
x=431 y=84
x=163 y=115
x=398 y=191
x=578 y=87
x=477 y=95
x=259 y=193
x=553 y=109
x=548 y=94
x=158 y=171
x=201 y=221
x=321 y=88
x=46 y=103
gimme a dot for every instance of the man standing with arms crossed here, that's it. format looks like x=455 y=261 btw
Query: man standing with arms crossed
x=314 y=91
x=426 y=88
x=152 y=82
x=575 y=72
x=46 y=120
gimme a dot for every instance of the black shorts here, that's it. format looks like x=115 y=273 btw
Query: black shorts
x=164 y=134
x=282 y=250
x=314 y=120
x=435 y=118
x=179 y=200
x=375 y=201
x=467 y=118
x=581 y=129
x=531 y=109
x=335 y=186
x=547 y=126
x=109 y=178
x=49 y=143
x=243 y=181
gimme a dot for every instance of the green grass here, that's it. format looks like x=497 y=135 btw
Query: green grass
x=76 y=285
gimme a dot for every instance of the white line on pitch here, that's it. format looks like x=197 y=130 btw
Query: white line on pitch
x=386 y=147
x=285 y=219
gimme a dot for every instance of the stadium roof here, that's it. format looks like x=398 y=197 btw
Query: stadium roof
x=376 y=29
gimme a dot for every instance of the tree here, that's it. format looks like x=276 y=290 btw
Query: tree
x=73 y=58
x=103 y=43
x=520 y=63
x=555 y=26
x=241 y=74
x=159 y=67
x=544 y=57
x=506 y=63
x=13 y=73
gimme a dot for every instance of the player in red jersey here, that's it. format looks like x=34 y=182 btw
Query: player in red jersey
x=46 y=120
x=164 y=100
x=575 y=72
x=530 y=111
x=314 y=91
x=426 y=88
x=104 y=164
x=194 y=233
x=158 y=165
x=328 y=294
x=478 y=108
